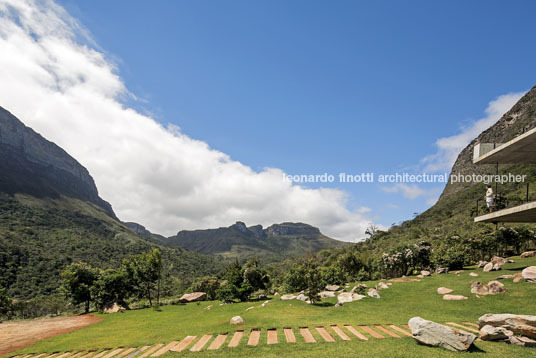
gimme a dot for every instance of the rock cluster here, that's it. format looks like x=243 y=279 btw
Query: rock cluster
x=437 y=335
x=193 y=297
x=492 y=288
x=529 y=274
x=510 y=328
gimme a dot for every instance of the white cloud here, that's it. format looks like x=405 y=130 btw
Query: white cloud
x=57 y=81
x=448 y=148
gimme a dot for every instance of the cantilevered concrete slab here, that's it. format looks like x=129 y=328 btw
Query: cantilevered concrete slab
x=525 y=213
x=521 y=149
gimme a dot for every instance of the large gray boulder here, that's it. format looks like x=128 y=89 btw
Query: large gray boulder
x=332 y=287
x=519 y=324
x=193 y=297
x=437 y=335
x=488 y=267
x=529 y=274
x=490 y=333
x=236 y=320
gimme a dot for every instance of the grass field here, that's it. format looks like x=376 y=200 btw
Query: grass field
x=396 y=306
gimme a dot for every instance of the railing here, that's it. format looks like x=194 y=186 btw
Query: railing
x=501 y=202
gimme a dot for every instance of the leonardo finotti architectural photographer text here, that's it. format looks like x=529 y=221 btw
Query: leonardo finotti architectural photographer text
x=404 y=178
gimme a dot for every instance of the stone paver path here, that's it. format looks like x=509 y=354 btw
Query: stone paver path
x=271 y=336
x=254 y=337
x=331 y=333
x=217 y=342
x=324 y=334
x=236 y=339
x=289 y=335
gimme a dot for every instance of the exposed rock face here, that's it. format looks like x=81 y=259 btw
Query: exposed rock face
x=522 y=341
x=529 y=274
x=301 y=297
x=498 y=260
x=443 y=290
x=518 y=324
x=346 y=297
x=332 y=287
x=32 y=165
x=292 y=229
x=516 y=121
x=528 y=254
x=193 y=297
x=454 y=297
x=490 y=333
x=438 y=335
x=236 y=320
x=481 y=263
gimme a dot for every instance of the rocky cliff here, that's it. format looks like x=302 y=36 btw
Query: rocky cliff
x=30 y=164
x=519 y=119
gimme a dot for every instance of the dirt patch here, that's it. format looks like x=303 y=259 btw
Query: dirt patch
x=19 y=334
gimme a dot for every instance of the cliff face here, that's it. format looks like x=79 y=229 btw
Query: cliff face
x=519 y=119
x=30 y=164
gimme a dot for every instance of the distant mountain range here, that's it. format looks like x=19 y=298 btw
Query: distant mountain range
x=51 y=215
x=239 y=241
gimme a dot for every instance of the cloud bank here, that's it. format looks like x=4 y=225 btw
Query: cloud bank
x=448 y=148
x=54 y=78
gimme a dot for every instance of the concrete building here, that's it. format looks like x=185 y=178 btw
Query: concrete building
x=519 y=150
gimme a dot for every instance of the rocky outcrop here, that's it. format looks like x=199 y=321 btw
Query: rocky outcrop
x=193 y=297
x=528 y=254
x=529 y=274
x=492 y=288
x=32 y=165
x=326 y=294
x=490 y=333
x=291 y=229
x=437 y=335
x=518 y=324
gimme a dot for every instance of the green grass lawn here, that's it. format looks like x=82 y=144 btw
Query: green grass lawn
x=396 y=306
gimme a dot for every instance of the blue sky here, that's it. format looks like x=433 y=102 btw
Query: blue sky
x=321 y=86
x=318 y=86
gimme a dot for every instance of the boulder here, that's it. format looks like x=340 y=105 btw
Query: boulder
x=437 y=335
x=193 y=297
x=346 y=297
x=529 y=274
x=528 y=254
x=496 y=267
x=301 y=297
x=237 y=320
x=481 y=264
x=458 y=272
x=326 y=294
x=425 y=273
x=372 y=292
x=249 y=308
x=522 y=341
x=495 y=287
x=454 y=297
x=498 y=260
x=287 y=297
x=488 y=267
x=473 y=274
x=382 y=285
x=490 y=333
x=519 y=324
x=332 y=287
x=442 y=270
x=404 y=279
x=420 y=276
x=479 y=288
x=114 y=308
x=338 y=304
x=444 y=290
x=262 y=296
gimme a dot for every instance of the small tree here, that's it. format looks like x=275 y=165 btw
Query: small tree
x=144 y=272
x=111 y=286
x=78 y=278
x=313 y=280
x=6 y=305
